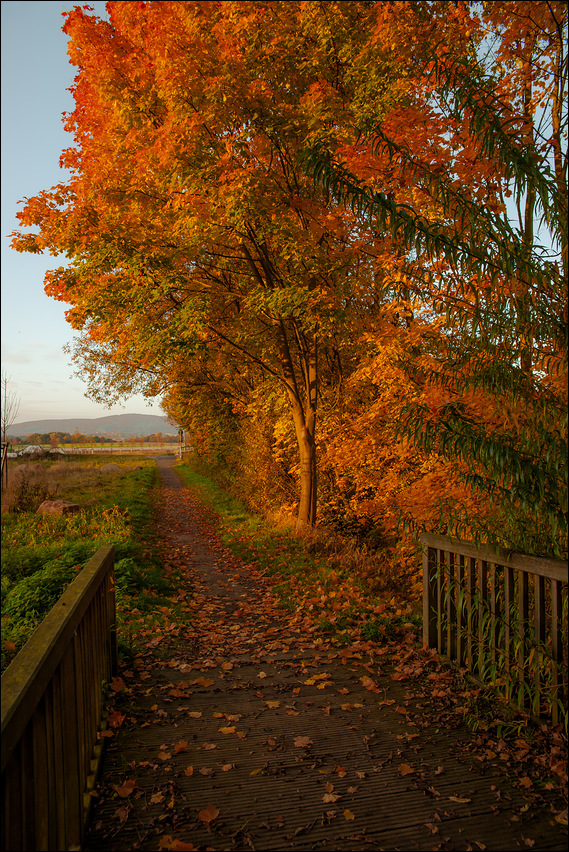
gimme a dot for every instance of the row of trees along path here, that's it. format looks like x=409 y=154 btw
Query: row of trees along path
x=248 y=732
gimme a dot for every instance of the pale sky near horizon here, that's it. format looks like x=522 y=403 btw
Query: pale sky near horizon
x=35 y=76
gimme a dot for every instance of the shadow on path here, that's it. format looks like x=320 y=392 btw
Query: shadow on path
x=247 y=735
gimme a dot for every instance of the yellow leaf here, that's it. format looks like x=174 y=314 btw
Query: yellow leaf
x=230 y=730
x=330 y=797
x=256 y=771
x=460 y=800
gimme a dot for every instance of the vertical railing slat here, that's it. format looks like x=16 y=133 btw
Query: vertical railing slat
x=429 y=598
x=482 y=614
x=471 y=613
x=540 y=633
x=460 y=621
x=556 y=649
x=523 y=614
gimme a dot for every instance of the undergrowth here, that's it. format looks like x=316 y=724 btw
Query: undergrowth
x=42 y=554
x=326 y=582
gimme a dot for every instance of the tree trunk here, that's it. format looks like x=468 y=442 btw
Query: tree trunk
x=303 y=406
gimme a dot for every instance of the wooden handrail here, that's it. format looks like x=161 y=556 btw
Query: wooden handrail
x=52 y=705
x=553 y=568
x=500 y=616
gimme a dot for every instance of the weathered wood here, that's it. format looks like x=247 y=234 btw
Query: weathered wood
x=52 y=699
x=481 y=611
x=552 y=568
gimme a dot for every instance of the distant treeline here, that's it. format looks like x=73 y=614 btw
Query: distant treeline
x=56 y=439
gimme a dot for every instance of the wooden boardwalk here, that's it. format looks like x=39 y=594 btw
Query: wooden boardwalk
x=248 y=735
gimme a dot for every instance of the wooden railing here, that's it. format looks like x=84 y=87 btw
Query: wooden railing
x=503 y=617
x=53 y=696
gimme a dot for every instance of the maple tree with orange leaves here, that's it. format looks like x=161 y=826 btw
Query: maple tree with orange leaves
x=392 y=295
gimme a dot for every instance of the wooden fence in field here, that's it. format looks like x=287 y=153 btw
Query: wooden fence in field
x=503 y=617
x=53 y=696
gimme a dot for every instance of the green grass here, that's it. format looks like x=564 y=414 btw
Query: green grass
x=41 y=554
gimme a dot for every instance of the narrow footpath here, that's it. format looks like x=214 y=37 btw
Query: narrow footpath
x=249 y=735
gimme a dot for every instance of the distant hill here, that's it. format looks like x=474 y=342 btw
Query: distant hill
x=113 y=426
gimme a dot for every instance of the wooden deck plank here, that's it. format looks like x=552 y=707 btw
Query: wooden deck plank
x=400 y=761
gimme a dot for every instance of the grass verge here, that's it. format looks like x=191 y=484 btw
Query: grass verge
x=316 y=576
x=41 y=554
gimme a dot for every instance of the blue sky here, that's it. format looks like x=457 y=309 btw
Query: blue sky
x=35 y=76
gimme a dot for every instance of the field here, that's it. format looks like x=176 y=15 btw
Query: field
x=41 y=554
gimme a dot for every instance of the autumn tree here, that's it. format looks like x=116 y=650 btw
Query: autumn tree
x=490 y=380
x=190 y=225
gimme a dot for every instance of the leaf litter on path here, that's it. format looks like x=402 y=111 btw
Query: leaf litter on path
x=228 y=737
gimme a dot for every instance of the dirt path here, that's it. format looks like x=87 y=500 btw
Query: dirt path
x=246 y=735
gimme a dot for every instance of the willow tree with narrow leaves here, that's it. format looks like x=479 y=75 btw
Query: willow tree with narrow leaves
x=500 y=360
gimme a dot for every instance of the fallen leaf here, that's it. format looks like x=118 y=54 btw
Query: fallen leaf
x=209 y=746
x=206 y=771
x=349 y=815
x=405 y=769
x=169 y=842
x=117 y=684
x=256 y=771
x=330 y=797
x=230 y=730
x=9 y=646
x=122 y=813
x=189 y=770
x=165 y=755
x=126 y=789
x=195 y=714
x=227 y=766
x=272 y=704
x=208 y=814
x=156 y=798
x=203 y=681
x=460 y=800
x=181 y=746
x=302 y=742
x=115 y=719
x=262 y=675
x=227 y=667
x=526 y=782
